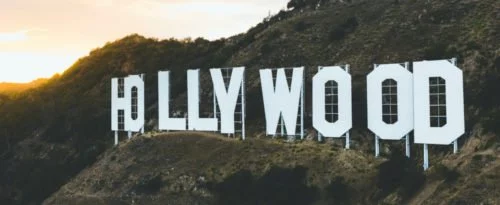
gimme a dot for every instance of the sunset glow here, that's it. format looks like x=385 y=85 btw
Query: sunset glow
x=41 y=38
x=25 y=66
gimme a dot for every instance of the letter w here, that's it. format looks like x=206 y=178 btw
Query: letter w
x=281 y=100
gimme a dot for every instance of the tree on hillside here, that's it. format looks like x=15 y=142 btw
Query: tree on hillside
x=296 y=4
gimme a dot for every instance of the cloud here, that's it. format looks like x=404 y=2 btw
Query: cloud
x=97 y=3
x=16 y=36
x=10 y=37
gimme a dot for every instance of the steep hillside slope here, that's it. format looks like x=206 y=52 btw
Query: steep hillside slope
x=49 y=134
x=201 y=168
x=470 y=177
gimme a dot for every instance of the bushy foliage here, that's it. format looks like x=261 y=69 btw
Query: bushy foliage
x=301 y=26
x=442 y=172
x=399 y=174
x=277 y=186
x=298 y=4
x=342 y=30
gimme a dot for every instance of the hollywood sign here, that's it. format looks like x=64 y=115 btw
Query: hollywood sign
x=428 y=101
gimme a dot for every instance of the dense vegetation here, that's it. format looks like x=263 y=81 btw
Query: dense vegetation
x=50 y=133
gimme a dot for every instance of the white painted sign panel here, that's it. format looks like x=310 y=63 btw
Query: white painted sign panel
x=281 y=99
x=165 y=122
x=127 y=96
x=227 y=98
x=194 y=120
x=403 y=102
x=344 y=122
x=438 y=102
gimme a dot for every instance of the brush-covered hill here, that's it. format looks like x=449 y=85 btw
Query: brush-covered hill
x=201 y=168
x=50 y=133
x=13 y=88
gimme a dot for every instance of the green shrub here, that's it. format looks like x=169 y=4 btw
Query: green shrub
x=342 y=30
x=301 y=26
x=399 y=174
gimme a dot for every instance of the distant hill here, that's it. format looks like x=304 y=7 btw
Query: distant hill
x=6 y=87
x=50 y=133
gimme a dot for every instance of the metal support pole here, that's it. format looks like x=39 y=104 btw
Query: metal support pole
x=143 y=79
x=282 y=126
x=129 y=134
x=407 y=145
x=377 y=147
x=426 y=157
x=454 y=61
x=408 y=151
x=320 y=136
x=455 y=143
x=116 y=137
x=302 y=106
x=455 y=146
x=215 y=106
x=347 y=140
x=243 y=108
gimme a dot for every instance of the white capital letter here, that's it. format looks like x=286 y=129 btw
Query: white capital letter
x=227 y=99
x=133 y=90
x=164 y=120
x=404 y=103
x=281 y=99
x=344 y=122
x=438 y=84
x=194 y=120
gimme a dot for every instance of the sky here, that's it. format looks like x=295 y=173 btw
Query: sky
x=42 y=38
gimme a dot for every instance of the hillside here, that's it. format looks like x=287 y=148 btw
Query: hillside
x=171 y=169
x=10 y=88
x=51 y=133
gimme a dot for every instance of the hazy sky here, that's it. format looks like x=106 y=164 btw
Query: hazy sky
x=41 y=38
